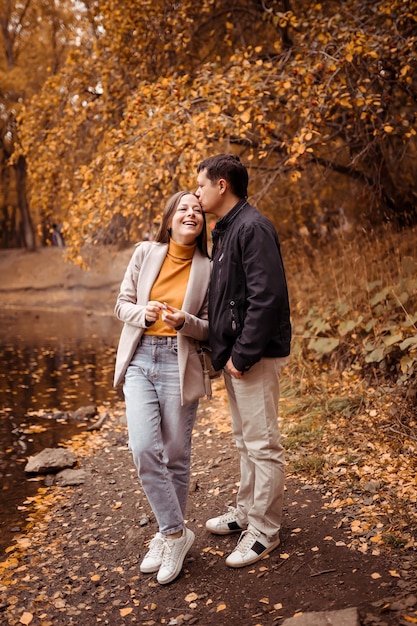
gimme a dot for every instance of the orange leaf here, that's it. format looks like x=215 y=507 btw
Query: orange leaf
x=191 y=597
x=126 y=611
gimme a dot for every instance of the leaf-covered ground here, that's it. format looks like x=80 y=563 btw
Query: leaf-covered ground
x=349 y=533
x=345 y=540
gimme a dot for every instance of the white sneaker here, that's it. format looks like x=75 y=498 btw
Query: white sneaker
x=251 y=547
x=153 y=558
x=173 y=556
x=225 y=524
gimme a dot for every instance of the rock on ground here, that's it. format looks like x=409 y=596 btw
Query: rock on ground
x=50 y=461
x=345 y=617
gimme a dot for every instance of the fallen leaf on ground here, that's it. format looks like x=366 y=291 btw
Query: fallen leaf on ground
x=191 y=597
x=126 y=611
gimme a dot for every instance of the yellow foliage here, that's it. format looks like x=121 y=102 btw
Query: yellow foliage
x=132 y=111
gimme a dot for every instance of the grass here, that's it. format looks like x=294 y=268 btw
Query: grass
x=340 y=269
x=311 y=465
x=346 y=421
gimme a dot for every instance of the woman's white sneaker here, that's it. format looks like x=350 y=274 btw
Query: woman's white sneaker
x=153 y=558
x=173 y=556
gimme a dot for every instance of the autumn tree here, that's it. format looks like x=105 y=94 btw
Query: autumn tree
x=319 y=100
x=35 y=37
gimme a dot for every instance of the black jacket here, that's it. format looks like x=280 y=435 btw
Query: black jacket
x=249 y=311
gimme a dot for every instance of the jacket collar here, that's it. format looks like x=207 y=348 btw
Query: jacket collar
x=226 y=220
x=230 y=216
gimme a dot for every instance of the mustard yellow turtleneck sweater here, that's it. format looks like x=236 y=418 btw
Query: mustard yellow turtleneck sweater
x=171 y=283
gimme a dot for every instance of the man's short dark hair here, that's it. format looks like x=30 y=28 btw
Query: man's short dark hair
x=229 y=167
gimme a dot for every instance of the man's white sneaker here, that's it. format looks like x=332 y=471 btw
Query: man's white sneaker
x=225 y=524
x=174 y=555
x=153 y=558
x=251 y=547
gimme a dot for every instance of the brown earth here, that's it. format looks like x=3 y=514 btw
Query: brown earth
x=78 y=561
x=43 y=280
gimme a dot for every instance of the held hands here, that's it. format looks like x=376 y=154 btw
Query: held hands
x=172 y=317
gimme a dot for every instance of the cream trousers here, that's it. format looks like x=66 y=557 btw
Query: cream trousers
x=253 y=401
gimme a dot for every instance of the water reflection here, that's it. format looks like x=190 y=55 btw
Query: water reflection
x=48 y=363
x=55 y=376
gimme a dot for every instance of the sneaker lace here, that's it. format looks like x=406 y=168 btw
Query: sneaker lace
x=246 y=541
x=171 y=548
x=156 y=546
x=230 y=516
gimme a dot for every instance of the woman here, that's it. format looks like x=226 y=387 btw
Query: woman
x=163 y=304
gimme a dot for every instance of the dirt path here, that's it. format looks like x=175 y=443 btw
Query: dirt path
x=78 y=560
x=78 y=563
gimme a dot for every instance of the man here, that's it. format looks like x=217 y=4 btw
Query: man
x=250 y=334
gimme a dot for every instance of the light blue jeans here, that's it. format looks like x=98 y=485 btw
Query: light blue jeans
x=160 y=429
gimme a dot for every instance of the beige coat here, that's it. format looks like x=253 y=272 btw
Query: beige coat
x=140 y=275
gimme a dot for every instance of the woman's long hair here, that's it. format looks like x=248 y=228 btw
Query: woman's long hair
x=163 y=234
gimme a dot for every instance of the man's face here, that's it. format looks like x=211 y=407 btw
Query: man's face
x=208 y=193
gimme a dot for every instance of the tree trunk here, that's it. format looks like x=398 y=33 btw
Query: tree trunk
x=28 y=232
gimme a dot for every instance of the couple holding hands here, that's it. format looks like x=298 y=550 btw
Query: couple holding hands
x=170 y=294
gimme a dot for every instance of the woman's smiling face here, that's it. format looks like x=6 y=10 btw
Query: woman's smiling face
x=187 y=221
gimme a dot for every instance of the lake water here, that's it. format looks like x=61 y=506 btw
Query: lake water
x=49 y=362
